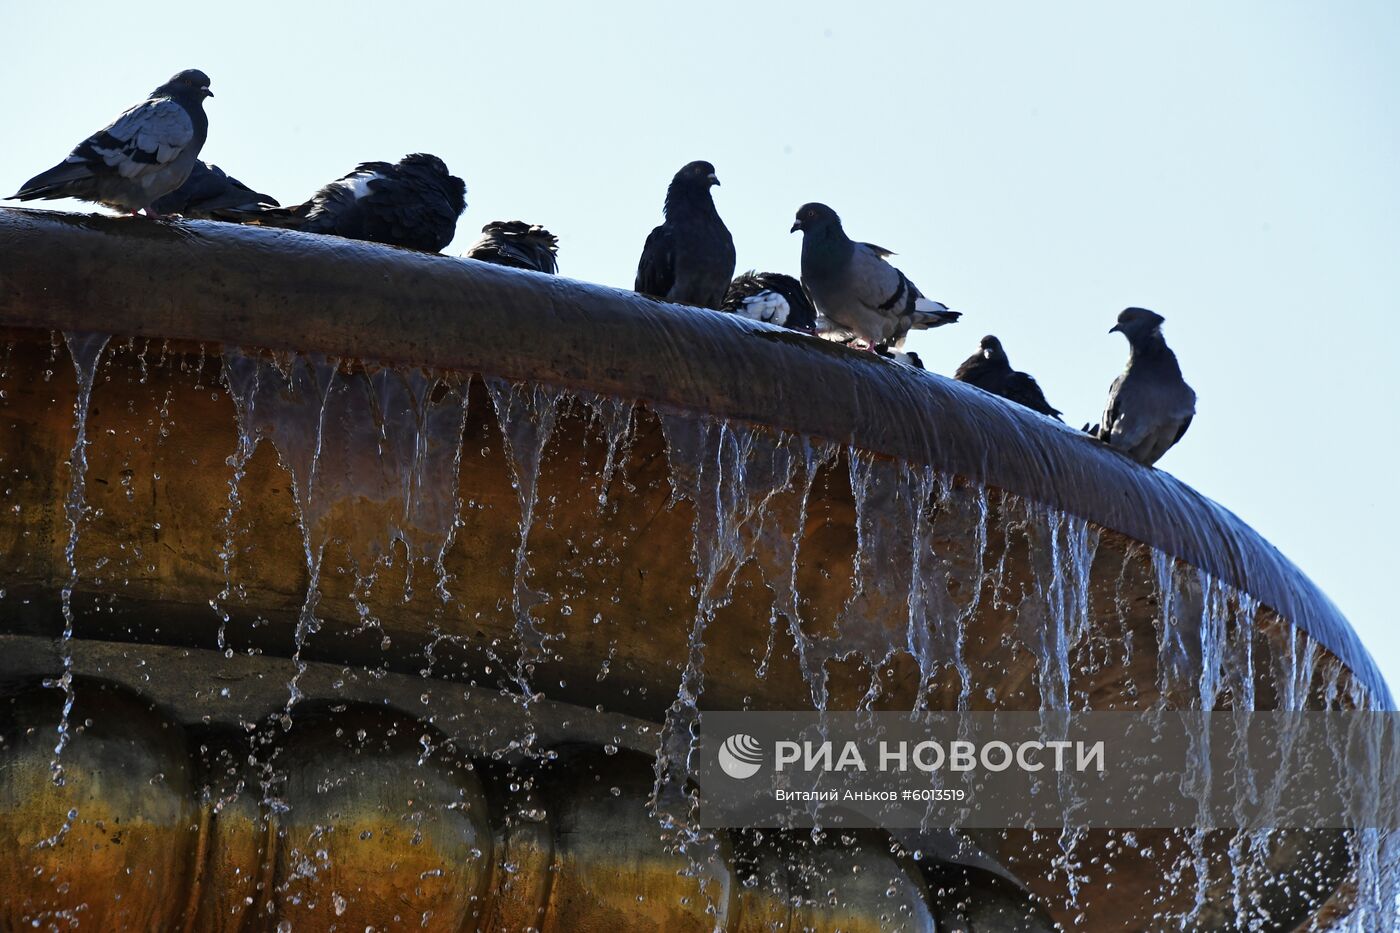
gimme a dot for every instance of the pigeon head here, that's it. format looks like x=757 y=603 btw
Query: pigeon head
x=696 y=175
x=991 y=348
x=815 y=217
x=689 y=191
x=1137 y=324
x=188 y=83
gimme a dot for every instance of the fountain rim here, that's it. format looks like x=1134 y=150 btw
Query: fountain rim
x=282 y=290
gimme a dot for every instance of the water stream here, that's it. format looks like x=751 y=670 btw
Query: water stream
x=85 y=350
x=946 y=579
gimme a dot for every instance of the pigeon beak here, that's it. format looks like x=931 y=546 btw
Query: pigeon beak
x=1116 y=329
x=207 y=92
x=796 y=226
x=712 y=179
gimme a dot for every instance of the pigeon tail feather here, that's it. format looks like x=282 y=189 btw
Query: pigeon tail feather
x=929 y=313
x=46 y=184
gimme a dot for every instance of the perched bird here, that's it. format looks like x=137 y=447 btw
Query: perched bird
x=689 y=259
x=773 y=298
x=517 y=244
x=413 y=203
x=209 y=190
x=989 y=370
x=1149 y=405
x=852 y=285
x=144 y=154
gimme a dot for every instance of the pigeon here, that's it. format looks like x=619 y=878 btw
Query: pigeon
x=906 y=357
x=414 y=203
x=517 y=244
x=144 y=154
x=689 y=259
x=989 y=370
x=208 y=191
x=773 y=298
x=1149 y=405
x=852 y=285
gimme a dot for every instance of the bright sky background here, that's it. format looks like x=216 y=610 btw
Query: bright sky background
x=1038 y=166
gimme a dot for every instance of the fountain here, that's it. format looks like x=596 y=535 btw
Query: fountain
x=351 y=587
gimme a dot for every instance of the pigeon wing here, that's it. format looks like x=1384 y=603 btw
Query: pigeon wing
x=875 y=283
x=140 y=141
x=1022 y=389
x=1108 y=424
x=144 y=138
x=656 y=272
x=1181 y=432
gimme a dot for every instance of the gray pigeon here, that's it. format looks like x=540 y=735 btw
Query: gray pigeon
x=209 y=190
x=1149 y=406
x=145 y=154
x=990 y=370
x=690 y=258
x=853 y=287
x=517 y=244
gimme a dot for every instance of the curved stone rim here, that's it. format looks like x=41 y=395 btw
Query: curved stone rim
x=283 y=290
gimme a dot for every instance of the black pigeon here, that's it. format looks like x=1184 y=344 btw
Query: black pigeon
x=1149 y=405
x=517 y=244
x=689 y=259
x=144 y=154
x=414 y=203
x=209 y=190
x=853 y=287
x=989 y=370
x=773 y=298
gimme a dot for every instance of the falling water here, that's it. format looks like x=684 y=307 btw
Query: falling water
x=241 y=379
x=86 y=350
x=729 y=474
x=778 y=548
x=526 y=414
x=615 y=418
x=380 y=449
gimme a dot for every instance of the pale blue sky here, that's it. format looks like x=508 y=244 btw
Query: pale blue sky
x=1232 y=165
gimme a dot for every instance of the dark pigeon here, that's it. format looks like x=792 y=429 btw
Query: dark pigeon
x=773 y=298
x=414 y=203
x=1149 y=405
x=517 y=244
x=907 y=357
x=689 y=259
x=990 y=370
x=209 y=190
x=853 y=287
x=144 y=154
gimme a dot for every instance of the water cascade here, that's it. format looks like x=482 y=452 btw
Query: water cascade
x=473 y=582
